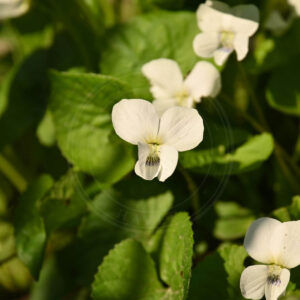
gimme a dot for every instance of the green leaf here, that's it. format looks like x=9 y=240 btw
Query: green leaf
x=46 y=131
x=81 y=106
x=288 y=213
x=176 y=255
x=113 y=217
x=29 y=226
x=136 y=218
x=218 y=275
x=7 y=240
x=217 y=161
x=161 y=34
x=233 y=220
x=64 y=204
x=53 y=283
x=127 y=273
x=283 y=91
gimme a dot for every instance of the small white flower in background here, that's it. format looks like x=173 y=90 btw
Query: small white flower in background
x=158 y=139
x=277 y=246
x=224 y=30
x=13 y=8
x=296 y=5
x=278 y=23
x=169 y=88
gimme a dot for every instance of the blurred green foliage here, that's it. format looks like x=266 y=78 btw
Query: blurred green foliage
x=75 y=221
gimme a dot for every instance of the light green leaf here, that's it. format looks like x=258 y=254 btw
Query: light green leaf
x=217 y=161
x=29 y=226
x=233 y=257
x=176 y=255
x=161 y=34
x=81 y=105
x=233 y=220
x=7 y=240
x=46 y=131
x=289 y=213
x=127 y=273
x=218 y=275
x=283 y=91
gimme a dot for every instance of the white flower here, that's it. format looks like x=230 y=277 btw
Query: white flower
x=296 y=5
x=170 y=89
x=13 y=8
x=159 y=139
x=276 y=23
x=277 y=245
x=225 y=29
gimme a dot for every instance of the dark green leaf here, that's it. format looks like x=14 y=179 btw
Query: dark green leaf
x=218 y=275
x=127 y=273
x=283 y=91
x=25 y=94
x=161 y=34
x=81 y=105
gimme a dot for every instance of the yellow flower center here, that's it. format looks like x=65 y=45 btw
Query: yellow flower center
x=183 y=97
x=227 y=38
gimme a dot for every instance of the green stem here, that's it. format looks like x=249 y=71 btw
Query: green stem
x=253 y=97
x=12 y=174
x=286 y=171
x=192 y=187
x=246 y=116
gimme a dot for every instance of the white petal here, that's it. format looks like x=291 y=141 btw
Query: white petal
x=246 y=20
x=289 y=256
x=210 y=14
x=221 y=55
x=135 y=120
x=274 y=291
x=165 y=77
x=296 y=5
x=141 y=168
x=253 y=281
x=261 y=240
x=206 y=43
x=203 y=81
x=181 y=128
x=164 y=104
x=241 y=46
x=168 y=160
x=13 y=8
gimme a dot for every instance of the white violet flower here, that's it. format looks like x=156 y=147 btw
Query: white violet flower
x=169 y=88
x=158 y=138
x=224 y=30
x=13 y=8
x=277 y=246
